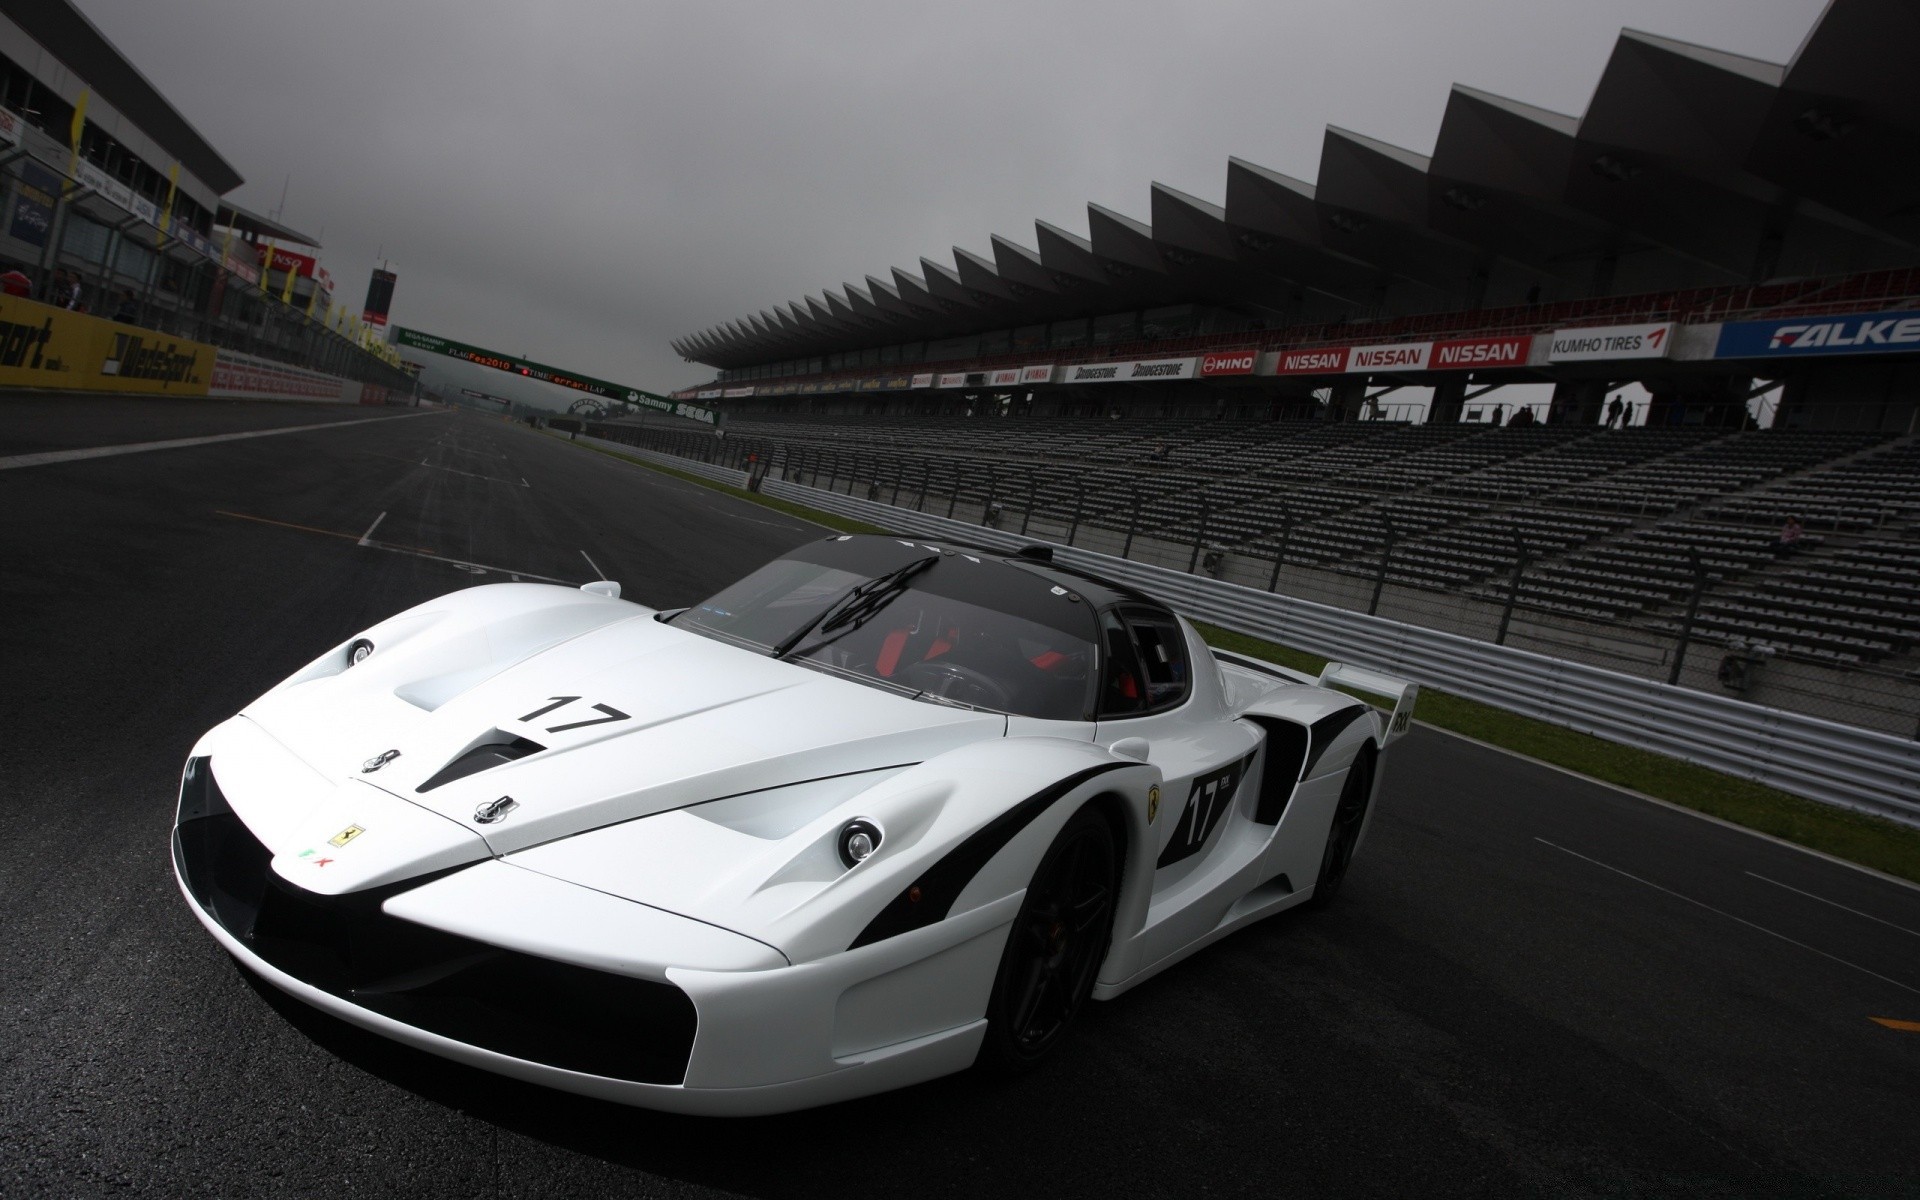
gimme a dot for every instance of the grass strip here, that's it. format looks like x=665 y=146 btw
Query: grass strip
x=1856 y=837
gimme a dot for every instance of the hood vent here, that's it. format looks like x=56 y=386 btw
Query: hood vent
x=484 y=757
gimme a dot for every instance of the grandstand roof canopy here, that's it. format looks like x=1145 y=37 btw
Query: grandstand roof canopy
x=252 y=223
x=66 y=32
x=1691 y=167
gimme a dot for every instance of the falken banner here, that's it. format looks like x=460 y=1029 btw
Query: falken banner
x=413 y=339
x=1871 y=333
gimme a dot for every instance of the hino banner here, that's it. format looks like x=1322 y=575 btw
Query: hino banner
x=1228 y=362
x=1872 y=333
x=1605 y=342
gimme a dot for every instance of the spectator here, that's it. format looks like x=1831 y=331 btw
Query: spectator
x=1789 y=538
x=1522 y=416
x=1613 y=412
x=128 y=310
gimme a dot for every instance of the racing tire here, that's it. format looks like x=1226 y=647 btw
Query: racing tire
x=1348 y=817
x=1055 y=947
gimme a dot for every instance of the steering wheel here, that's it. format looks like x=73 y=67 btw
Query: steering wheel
x=943 y=679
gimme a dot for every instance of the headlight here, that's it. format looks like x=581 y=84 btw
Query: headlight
x=358 y=650
x=858 y=840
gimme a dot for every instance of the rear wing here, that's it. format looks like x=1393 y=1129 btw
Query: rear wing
x=1399 y=692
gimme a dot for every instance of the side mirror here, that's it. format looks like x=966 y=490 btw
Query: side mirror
x=1133 y=747
x=603 y=587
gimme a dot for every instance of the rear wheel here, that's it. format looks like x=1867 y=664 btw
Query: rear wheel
x=1348 y=816
x=1055 y=947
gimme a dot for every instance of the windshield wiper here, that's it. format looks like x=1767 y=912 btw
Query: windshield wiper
x=853 y=609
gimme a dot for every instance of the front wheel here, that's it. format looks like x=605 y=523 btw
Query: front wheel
x=1348 y=816
x=1056 y=945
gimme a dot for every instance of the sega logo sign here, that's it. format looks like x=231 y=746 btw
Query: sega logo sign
x=1873 y=333
x=1229 y=362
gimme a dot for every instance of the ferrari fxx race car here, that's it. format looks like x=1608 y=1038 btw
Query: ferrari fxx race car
x=878 y=811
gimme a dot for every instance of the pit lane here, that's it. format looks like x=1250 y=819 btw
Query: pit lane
x=1531 y=984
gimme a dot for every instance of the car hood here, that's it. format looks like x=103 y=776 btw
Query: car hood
x=633 y=718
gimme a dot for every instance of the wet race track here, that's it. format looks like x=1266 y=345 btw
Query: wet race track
x=1531 y=984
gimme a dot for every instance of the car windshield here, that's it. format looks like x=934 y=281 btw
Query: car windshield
x=938 y=625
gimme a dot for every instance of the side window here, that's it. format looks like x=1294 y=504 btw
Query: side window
x=1123 y=685
x=1162 y=648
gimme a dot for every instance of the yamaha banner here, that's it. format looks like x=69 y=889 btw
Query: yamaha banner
x=1871 y=333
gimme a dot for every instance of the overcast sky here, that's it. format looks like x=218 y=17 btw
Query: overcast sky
x=579 y=181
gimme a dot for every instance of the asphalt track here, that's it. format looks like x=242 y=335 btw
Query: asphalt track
x=1531 y=985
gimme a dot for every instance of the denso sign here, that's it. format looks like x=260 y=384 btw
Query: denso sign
x=1229 y=362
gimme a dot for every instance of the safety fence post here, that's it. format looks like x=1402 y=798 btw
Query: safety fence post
x=1079 y=499
x=1280 y=550
x=1199 y=539
x=1693 y=610
x=1380 y=579
x=1133 y=523
x=1520 y=561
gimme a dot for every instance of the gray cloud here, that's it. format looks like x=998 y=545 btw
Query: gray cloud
x=581 y=180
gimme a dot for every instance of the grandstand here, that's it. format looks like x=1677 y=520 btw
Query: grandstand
x=1225 y=388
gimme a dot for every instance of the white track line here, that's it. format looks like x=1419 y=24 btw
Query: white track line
x=596 y=566
x=1843 y=908
x=48 y=457
x=366 y=539
x=1729 y=916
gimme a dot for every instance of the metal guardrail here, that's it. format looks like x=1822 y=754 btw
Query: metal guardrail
x=1821 y=760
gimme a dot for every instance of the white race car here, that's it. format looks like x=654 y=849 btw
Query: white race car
x=876 y=812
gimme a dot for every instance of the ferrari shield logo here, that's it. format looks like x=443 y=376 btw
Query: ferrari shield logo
x=1153 y=803
x=345 y=835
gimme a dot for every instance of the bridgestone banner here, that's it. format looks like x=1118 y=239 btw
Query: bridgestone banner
x=1132 y=372
x=413 y=339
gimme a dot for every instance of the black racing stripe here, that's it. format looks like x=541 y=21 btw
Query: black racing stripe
x=1323 y=732
x=941 y=884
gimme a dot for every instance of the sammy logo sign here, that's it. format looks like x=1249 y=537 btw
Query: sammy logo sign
x=1874 y=333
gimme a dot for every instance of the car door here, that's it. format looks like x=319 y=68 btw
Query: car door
x=1151 y=689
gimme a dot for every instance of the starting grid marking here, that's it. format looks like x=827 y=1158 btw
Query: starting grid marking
x=366 y=540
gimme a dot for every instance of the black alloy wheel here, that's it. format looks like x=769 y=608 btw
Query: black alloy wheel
x=1056 y=945
x=1348 y=816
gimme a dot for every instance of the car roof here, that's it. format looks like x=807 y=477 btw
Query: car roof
x=1097 y=590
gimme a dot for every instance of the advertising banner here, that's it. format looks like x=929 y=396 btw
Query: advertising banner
x=1321 y=360
x=1006 y=377
x=379 y=298
x=9 y=127
x=1401 y=356
x=1037 y=374
x=1602 y=343
x=1228 y=362
x=1468 y=353
x=286 y=260
x=46 y=347
x=953 y=379
x=1132 y=372
x=1869 y=333
x=103 y=183
x=33 y=211
x=244 y=377
x=707 y=394
x=924 y=380
x=736 y=393
x=245 y=270
x=414 y=339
